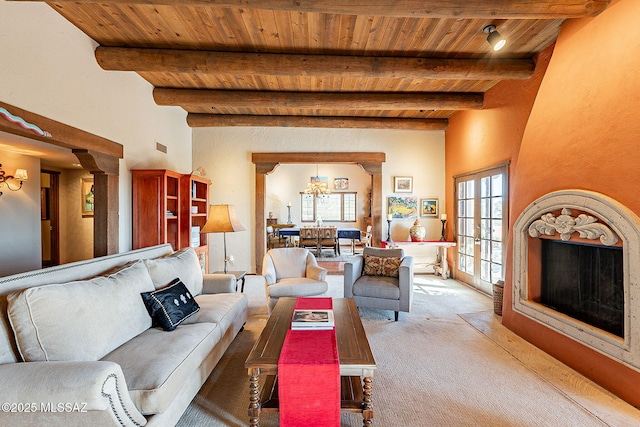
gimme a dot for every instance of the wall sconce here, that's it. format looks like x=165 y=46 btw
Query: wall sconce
x=20 y=175
x=494 y=38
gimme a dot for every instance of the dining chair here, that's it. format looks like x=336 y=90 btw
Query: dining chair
x=328 y=238
x=309 y=239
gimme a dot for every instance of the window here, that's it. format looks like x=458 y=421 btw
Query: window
x=334 y=207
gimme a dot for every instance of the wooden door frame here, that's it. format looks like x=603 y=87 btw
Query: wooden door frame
x=98 y=155
x=370 y=162
x=54 y=214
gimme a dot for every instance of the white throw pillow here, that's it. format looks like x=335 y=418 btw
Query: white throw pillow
x=80 y=320
x=183 y=264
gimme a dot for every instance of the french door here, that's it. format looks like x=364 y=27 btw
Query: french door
x=481 y=227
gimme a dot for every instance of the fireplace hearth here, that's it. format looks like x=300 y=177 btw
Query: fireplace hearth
x=576 y=270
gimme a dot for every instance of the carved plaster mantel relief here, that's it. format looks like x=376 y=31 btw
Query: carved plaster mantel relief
x=585 y=225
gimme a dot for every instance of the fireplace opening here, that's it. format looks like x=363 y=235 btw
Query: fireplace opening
x=584 y=282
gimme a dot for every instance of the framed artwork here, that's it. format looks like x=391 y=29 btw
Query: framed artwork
x=429 y=207
x=402 y=207
x=403 y=184
x=87 y=201
x=320 y=180
x=341 y=183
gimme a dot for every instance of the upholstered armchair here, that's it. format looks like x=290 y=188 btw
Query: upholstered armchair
x=292 y=272
x=380 y=279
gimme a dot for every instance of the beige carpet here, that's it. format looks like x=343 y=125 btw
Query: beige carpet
x=447 y=363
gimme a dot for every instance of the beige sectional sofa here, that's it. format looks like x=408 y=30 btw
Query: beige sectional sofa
x=78 y=346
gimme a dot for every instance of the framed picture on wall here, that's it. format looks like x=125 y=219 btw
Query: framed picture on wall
x=321 y=180
x=87 y=201
x=402 y=207
x=429 y=207
x=340 y=184
x=403 y=184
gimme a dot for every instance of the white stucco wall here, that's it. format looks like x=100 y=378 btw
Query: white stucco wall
x=20 y=217
x=225 y=154
x=47 y=66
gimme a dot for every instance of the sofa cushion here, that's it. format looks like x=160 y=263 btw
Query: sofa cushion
x=289 y=262
x=156 y=363
x=222 y=309
x=377 y=287
x=80 y=320
x=291 y=287
x=183 y=264
x=170 y=306
x=8 y=351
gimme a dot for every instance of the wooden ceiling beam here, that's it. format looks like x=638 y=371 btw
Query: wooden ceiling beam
x=351 y=101
x=358 y=157
x=216 y=120
x=244 y=63
x=470 y=9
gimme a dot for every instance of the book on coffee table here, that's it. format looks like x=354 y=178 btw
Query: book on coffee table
x=312 y=319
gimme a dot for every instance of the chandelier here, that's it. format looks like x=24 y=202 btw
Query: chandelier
x=317 y=187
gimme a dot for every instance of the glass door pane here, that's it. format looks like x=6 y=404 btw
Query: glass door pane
x=466 y=227
x=480 y=198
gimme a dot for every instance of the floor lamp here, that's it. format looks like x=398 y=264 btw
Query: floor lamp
x=222 y=219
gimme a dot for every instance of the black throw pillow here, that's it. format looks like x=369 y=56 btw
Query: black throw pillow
x=170 y=306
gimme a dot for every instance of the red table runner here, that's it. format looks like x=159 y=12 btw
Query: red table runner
x=309 y=374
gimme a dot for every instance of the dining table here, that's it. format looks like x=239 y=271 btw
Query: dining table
x=350 y=233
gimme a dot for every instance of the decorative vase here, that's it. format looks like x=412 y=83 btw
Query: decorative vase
x=417 y=232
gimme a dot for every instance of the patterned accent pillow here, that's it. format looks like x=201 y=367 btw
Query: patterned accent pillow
x=381 y=266
x=372 y=266
x=391 y=266
x=170 y=306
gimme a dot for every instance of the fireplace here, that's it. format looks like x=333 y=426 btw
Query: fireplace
x=576 y=270
x=585 y=282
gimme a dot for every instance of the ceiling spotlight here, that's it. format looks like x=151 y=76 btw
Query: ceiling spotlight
x=494 y=38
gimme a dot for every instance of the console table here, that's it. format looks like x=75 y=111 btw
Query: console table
x=422 y=258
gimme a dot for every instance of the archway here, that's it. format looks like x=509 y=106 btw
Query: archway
x=265 y=163
x=96 y=154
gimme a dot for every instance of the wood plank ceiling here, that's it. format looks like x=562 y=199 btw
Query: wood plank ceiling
x=408 y=64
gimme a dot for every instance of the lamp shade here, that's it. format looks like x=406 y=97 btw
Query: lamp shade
x=20 y=175
x=222 y=219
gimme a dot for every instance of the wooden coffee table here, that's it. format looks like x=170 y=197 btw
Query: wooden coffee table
x=356 y=361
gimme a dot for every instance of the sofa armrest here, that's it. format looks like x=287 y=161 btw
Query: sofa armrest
x=352 y=271
x=68 y=393
x=268 y=270
x=316 y=272
x=219 y=283
x=405 y=282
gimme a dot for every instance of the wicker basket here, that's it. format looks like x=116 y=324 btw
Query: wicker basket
x=498 y=294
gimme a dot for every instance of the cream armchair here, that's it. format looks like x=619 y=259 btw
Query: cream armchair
x=292 y=272
x=380 y=279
